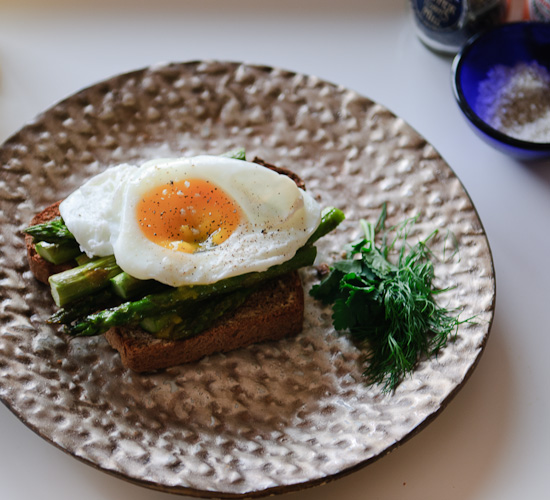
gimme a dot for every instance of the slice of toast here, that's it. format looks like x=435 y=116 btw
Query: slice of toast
x=274 y=311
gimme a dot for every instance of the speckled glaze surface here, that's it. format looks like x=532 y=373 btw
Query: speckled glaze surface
x=277 y=416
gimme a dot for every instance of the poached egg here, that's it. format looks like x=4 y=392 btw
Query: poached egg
x=191 y=221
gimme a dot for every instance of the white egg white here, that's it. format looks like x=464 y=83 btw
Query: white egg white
x=90 y=212
x=277 y=220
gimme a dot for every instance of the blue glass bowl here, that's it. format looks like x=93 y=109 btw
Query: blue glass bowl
x=507 y=44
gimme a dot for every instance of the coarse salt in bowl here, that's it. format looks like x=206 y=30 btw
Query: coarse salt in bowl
x=501 y=81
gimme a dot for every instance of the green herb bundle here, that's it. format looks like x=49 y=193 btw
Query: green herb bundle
x=389 y=308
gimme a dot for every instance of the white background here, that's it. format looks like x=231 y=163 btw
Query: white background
x=493 y=440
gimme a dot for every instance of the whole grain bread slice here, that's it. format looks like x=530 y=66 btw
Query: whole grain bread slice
x=274 y=311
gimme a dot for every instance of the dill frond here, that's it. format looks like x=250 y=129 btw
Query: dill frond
x=389 y=308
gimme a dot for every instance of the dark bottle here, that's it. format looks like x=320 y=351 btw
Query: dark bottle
x=445 y=25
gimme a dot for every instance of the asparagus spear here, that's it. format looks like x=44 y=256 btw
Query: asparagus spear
x=190 y=320
x=193 y=324
x=237 y=154
x=83 y=259
x=330 y=219
x=53 y=231
x=84 y=280
x=89 y=304
x=58 y=253
x=127 y=287
x=163 y=322
x=133 y=312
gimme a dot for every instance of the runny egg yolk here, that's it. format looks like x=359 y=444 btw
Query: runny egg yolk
x=188 y=215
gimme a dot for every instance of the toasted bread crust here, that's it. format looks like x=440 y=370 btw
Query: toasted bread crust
x=40 y=268
x=283 y=171
x=275 y=311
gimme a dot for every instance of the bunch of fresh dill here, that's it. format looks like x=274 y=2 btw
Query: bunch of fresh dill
x=387 y=307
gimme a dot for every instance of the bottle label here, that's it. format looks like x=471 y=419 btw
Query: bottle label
x=539 y=10
x=438 y=15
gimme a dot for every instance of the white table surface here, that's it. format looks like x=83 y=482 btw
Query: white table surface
x=492 y=441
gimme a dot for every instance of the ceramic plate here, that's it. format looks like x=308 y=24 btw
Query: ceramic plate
x=273 y=417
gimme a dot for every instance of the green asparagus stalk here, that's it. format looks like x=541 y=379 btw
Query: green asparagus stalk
x=331 y=217
x=81 y=308
x=133 y=312
x=76 y=283
x=192 y=319
x=127 y=287
x=237 y=154
x=58 y=253
x=83 y=259
x=215 y=308
x=163 y=322
x=53 y=231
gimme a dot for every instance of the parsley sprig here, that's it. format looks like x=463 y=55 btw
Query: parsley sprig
x=389 y=308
